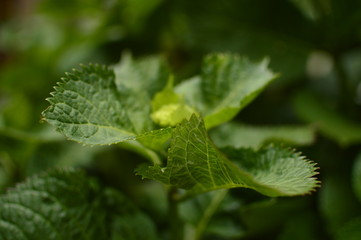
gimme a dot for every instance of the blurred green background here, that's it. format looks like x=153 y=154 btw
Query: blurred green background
x=314 y=44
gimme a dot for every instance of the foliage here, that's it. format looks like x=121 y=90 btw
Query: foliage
x=209 y=132
x=45 y=207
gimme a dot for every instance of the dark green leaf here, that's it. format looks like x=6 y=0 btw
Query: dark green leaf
x=128 y=222
x=58 y=205
x=66 y=205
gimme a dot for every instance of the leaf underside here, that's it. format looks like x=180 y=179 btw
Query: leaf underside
x=195 y=164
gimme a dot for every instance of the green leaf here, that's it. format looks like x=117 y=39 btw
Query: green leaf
x=57 y=205
x=227 y=84
x=241 y=135
x=90 y=108
x=148 y=75
x=330 y=123
x=86 y=107
x=276 y=171
x=65 y=204
x=166 y=96
x=94 y=105
x=195 y=164
x=127 y=221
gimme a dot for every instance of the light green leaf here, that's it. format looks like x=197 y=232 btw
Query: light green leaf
x=195 y=164
x=330 y=123
x=276 y=171
x=166 y=96
x=45 y=207
x=169 y=108
x=241 y=135
x=172 y=114
x=227 y=84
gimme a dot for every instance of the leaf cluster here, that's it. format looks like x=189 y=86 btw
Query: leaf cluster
x=215 y=131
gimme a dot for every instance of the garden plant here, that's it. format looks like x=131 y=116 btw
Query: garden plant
x=235 y=120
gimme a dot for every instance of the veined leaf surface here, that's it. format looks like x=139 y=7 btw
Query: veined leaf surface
x=226 y=85
x=58 y=205
x=148 y=75
x=91 y=106
x=67 y=205
x=195 y=164
x=86 y=107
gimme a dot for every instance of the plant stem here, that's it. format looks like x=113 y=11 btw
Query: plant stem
x=209 y=212
x=140 y=149
x=176 y=224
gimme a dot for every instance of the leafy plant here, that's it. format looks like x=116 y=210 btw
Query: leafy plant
x=139 y=172
x=65 y=204
x=136 y=103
